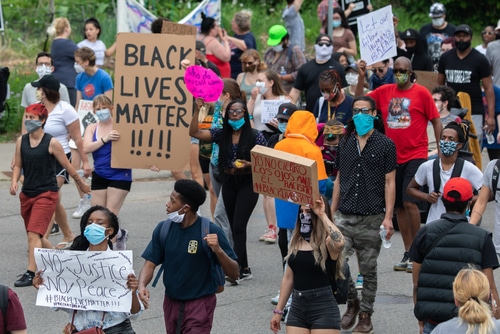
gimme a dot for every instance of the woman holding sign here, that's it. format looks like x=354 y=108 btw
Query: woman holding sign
x=98 y=226
x=235 y=139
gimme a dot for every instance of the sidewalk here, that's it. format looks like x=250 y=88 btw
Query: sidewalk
x=7 y=152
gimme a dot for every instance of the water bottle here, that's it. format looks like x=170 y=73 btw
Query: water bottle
x=282 y=70
x=383 y=233
x=80 y=172
x=87 y=199
x=490 y=138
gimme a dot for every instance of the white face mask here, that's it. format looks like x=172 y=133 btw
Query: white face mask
x=324 y=52
x=351 y=78
x=438 y=22
x=175 y=216
x=43 y=70
x=38 y=95
x=278 y=48
x=79 y=68
x=262 y=87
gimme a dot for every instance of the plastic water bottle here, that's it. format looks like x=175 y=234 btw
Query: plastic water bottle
x=490 y=138
x=282 y=70
x=383 y=233
x=87 y=199
x=80 y=172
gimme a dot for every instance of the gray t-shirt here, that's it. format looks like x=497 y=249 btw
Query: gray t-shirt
x=493 y=55
x=487 y=181
x=458 y=326
x=295 y=26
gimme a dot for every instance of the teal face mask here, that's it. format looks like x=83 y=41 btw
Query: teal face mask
x=363 y=123
x=282 y=127
x=447 y=147
x=236 y=125
x=95 y=234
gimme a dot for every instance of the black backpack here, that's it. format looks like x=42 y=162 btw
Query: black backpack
x=4 y=78
x=457 y=171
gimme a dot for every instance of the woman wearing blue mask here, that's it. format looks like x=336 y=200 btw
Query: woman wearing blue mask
x=98 y=226
x=343 y=38
x=110 y=186
x=235 y=139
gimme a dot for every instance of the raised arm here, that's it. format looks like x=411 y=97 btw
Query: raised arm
x=194 y=131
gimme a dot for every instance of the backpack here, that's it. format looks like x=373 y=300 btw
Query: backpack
x=216 y=268
x=4 y=87
x=4 y=302
x=457 y=171
x=494 y=178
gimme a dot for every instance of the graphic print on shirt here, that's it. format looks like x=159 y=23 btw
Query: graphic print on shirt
x=193 y=246
x=399 y=114
x=458 y=76
x=434 y=45
x=89 y=91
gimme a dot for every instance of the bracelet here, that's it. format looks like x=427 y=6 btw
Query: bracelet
x=250 y=117
x=102 y=139
x=278 y=312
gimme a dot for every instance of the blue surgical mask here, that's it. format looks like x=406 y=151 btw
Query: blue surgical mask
x=103 y=114
x=363 y=123
x=95 y=234
x=336 y=23
x=32 y=125
x=236 y=125
x=282 y=127
x=262 y=87
x=175 y=216
x=305 y=226
x=447 y=147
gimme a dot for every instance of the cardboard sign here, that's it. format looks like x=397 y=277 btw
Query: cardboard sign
x=173 y=28
x=203 y=82
x=86 y=114
x=284 y=175
x=427 y=79
x=153 y=108
x=377 y=41
x=269 y=109
x=84 y=280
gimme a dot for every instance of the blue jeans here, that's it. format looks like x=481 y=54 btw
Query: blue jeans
x=428 y=327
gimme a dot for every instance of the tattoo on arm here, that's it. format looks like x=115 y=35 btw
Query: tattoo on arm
x=336 y=236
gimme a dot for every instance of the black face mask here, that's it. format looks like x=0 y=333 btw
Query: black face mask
x=462 y=45
x=411 y=50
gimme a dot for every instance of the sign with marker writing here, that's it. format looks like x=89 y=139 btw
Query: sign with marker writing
x=84 y=280
x=153 y=108
x=203 y=82
x=284 y=175
x=86 y=114
x=377 y=41
x=269 y=109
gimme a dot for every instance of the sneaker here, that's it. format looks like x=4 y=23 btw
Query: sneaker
x=271 y=236
x=121 y=242
x=25 y=280
x=245 y=274
x=364 y=324
x=275 y=300
x=80 y=210
x=350 y=317
x=232 y=281
x=409 y=267
x=359 y=282
x=55 y=230
x=401 y=266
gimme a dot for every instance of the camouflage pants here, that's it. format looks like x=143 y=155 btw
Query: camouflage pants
x=361 y=235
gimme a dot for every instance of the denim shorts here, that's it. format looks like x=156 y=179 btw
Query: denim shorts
x=314 y=309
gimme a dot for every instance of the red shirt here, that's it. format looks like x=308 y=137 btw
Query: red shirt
x=405 y=114
x=15 y=315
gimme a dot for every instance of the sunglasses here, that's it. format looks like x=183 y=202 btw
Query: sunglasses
x=248 y=62
x=356 y=111
x=324 y=44
x=379 y=69
x=235 y=111
x=487 y=33
x=400 y=70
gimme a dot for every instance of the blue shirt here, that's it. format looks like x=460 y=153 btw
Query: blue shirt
x=90 y=86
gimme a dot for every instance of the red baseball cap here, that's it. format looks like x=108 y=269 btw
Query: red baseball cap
x=457 y=189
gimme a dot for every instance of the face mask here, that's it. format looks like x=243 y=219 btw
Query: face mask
x=447 y=148
x=439 y=109
x=282 y=127
x=175 y=216
x=78 y=68
x=95 y=234
x=38 y=95
x=438 y=22
x=43 y=70
x=103 y=114
x=250 y=68
x=32 y=125
x=363 y=123
x=336 y=23
x=332 y=96
x=351 y=78
x=462 y=45
x=278 y=48
x=411 y=50
x=305 y=226
x=401 y=78
x=323 y=53
x=236 y=125
x=262 y=87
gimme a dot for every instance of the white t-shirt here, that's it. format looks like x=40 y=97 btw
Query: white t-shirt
x=458 y=326
x=257 y=113
x=99 y=48
x=424 y=176
x=487 y=181
x=29 y=95
x=59 y=118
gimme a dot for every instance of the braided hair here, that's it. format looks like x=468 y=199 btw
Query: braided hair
x=81 y=243
x=461 y=128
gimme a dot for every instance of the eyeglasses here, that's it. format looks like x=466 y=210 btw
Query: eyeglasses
x=361 y=110
x=400 y=70
x=487 y=33
x=324 y=44
x=235 y=111
x=46 y=64
x=248 y=63
x=379 y=69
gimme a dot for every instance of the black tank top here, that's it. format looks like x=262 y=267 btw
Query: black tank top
x=308 y=275
x=39 y=167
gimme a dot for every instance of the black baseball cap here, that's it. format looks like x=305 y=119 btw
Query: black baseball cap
x=463 y=28
x=47 y=81
x=410 y=34
x=200 y=46
x=286 y=110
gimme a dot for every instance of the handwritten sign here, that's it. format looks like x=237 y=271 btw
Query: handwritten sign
x=153 y=108
x=377 y=41
x=168 y=27
x=86 y=114
x=269 y=109
x=284 y=175
x=427 y=79
x=203 y=82
x=84 y=280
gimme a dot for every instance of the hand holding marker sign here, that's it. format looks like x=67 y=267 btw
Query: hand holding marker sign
x=203 y=82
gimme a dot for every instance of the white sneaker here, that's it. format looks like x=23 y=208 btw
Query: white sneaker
x=80 y=210
x=275 y=300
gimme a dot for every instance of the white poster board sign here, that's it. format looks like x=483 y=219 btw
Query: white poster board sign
x=269 y=109
x=84 y=280
x=86 y=114
x=377 y=41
